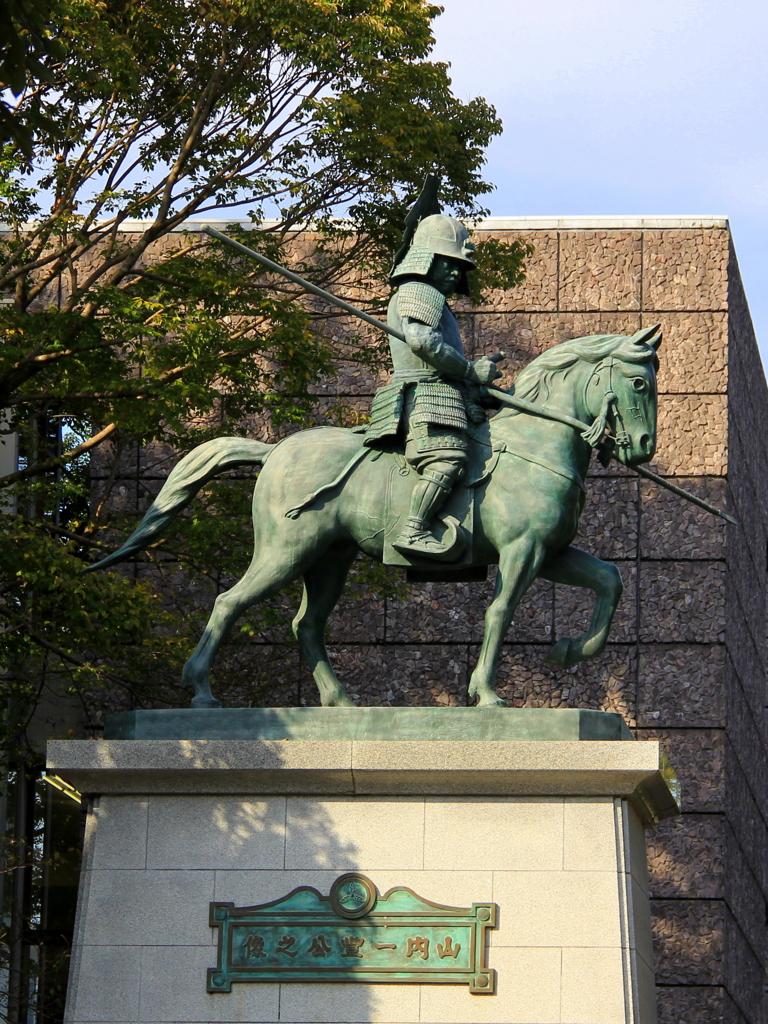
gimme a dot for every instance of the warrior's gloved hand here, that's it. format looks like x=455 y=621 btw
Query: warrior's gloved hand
x=485 y=370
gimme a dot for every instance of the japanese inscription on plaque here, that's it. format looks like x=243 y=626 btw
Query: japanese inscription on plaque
x=353 y=934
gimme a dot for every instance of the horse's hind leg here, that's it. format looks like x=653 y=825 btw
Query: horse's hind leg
x=323 y=584
x=263 y=579
x=576 y=568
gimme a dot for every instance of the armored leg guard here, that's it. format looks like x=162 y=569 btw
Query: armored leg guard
x=428 y=497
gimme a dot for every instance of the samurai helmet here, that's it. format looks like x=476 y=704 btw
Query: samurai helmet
x=432 y=234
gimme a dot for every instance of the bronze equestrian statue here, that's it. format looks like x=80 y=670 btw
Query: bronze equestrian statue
x=325 y=495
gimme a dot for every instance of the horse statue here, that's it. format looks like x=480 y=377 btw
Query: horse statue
x=592 y=393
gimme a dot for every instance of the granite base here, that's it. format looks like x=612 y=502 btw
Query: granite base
x=563 y=860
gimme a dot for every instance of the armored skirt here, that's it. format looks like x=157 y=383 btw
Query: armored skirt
x=430 y=415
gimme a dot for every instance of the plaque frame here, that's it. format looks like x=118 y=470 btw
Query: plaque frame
x=307 y=937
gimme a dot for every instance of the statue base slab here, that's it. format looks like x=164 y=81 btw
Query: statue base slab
x=551 y=831
x=448 y=723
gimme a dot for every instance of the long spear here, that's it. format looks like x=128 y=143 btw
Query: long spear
x=517 y=403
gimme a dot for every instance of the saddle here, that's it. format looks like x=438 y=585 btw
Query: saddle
x=454 y=524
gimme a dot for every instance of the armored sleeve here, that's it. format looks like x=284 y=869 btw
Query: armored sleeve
x=418 y=300
x=420 y=307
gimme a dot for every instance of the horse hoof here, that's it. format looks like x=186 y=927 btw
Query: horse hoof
x=204 y=702
x=489 y=700
x=340 y=702
x=560 y=654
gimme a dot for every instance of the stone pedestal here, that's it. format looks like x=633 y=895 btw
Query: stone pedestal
x=550 y=830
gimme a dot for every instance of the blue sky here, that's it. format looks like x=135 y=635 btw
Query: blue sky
x=624 y=107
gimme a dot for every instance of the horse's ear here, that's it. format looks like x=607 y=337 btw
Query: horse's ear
x=648 y=336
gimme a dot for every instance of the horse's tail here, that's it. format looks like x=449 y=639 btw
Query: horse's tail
x=189 y=475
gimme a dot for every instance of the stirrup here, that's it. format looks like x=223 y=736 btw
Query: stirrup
x=418 y=541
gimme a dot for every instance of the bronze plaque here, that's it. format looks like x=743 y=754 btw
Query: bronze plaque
x=353 y=935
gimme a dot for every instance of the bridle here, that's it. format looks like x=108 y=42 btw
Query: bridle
x=594 y=434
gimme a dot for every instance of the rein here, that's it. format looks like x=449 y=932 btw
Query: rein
x=536 y=410
x=591 y=434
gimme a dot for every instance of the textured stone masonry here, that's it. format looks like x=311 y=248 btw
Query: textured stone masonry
x=686 y=661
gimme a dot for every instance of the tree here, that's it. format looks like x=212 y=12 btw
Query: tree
x=120 y=332
x=125 y=339
x=28 y=37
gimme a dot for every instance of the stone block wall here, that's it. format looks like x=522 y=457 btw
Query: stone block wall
x=686 y=661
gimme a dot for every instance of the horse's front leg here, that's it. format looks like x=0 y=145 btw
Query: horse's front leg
x=518 y=566
x=576 y=568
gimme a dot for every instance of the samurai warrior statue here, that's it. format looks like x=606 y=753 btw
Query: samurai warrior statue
x=435 y=396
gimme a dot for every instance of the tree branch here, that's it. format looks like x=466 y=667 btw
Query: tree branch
x=61 y=460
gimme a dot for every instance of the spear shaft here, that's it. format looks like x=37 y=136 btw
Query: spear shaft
x=655 y=478
x=307 y=285
x=507 y=399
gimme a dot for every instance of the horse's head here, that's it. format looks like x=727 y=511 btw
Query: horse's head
x=621 y=394
x=607 y=381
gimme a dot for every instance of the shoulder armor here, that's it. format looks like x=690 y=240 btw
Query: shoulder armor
x=420 y=301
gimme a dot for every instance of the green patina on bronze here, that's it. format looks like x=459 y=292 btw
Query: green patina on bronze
x=527 y=500
x=441 y=724
x=353 y=935
x=433 y=485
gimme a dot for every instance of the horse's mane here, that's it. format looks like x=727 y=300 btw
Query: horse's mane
x=537 y=376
